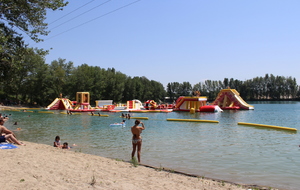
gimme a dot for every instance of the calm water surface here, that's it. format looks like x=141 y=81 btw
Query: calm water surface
x=224 y=150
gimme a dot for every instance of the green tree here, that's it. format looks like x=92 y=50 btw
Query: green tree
x=27 y=16
x=59 y=71
x=21 y=18
x=20 y=83
x=173 y=90
x=36 y=87
x=185 y=89
x=158 y=90
x=11 y=46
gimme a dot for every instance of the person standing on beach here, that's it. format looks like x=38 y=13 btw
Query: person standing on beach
x=136 y=131
x=8 y=135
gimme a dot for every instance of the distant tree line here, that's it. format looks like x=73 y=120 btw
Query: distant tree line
x=32 y=81
x=269 y=87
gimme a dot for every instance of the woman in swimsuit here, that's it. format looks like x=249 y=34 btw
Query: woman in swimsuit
x=136 y=131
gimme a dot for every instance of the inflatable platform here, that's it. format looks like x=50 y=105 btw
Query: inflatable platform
x=82 y=103
x=229 y=99
x=195 y=104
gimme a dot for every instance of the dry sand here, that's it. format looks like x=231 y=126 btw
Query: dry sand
x=39 y=166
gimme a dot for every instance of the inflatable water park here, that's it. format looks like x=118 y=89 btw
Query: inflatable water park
x=82 y=103
x=132 y=106
x=227 y=99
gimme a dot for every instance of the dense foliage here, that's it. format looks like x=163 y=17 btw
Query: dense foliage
x=259 y=88
x=19 y=19
x=40 y=83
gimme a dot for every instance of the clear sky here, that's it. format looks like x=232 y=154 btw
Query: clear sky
x=179 y=40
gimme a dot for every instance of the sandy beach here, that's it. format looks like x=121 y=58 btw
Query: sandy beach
x=39 y=166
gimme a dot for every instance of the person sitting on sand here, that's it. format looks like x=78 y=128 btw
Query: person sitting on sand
x=8 y=135
x=136 y=131
x=56 y=142
x=65 y=146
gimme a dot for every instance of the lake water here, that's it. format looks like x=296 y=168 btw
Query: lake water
x=224 y=150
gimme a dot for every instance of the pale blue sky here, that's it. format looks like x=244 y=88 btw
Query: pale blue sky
x=179 y=40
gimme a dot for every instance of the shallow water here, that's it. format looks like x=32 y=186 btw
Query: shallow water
x=224 y=150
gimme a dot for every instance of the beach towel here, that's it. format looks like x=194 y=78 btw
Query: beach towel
x=7 y=146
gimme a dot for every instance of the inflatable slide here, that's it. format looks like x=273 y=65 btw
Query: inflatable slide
x=60 y=104
x=229 y=99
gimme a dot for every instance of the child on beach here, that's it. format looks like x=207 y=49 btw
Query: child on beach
x=56 y=142
x=65 y=146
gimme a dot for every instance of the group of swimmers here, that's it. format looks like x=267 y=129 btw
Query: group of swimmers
x=7 y=135
x=126 y=115
x=92 y=113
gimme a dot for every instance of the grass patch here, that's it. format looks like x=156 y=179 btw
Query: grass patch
x=134 y=162
x=160 y=168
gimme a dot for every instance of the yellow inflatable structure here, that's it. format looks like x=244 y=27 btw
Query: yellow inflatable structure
x=193 y=120
x=268 y=126
x=228 y=99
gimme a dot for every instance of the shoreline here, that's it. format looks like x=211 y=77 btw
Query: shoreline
x=50 y=163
